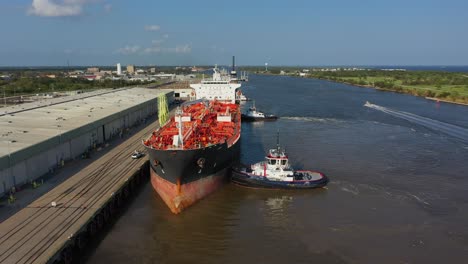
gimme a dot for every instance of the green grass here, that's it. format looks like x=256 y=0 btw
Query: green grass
x=462 y=90
x=428 y=84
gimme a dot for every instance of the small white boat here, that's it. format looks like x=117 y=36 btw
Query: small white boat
x=241 y=97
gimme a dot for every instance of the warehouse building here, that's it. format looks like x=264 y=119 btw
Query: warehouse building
x=36 y=138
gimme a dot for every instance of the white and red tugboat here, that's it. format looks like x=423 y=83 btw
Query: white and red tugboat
x=276 y=173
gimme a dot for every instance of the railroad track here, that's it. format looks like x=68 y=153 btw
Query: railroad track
x=80 y=200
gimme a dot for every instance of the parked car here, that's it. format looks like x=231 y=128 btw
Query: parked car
x=137 y=155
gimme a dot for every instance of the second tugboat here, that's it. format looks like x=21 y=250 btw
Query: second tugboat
x=191 y=154
x=276 y=173
x=253 y=115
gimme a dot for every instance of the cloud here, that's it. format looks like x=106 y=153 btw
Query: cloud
x=179 y=49
x=217 y=49
x=80 y=2
x=152 y=50
x=61 y=8
x=48 y=8
x=129 y=50
x=182 y=49
x=158 y=42
x=107 y=8
x=157 y=46
x=152 y=27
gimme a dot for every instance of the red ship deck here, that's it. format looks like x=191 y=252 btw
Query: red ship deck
x=204 y=123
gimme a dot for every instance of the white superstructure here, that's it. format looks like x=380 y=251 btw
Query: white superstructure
x=275 y=168
x=252 y=112
x=220 y=87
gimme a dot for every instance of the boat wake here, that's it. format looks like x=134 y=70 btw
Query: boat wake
x=356 y=189
x=352 y=190
x=446 y=128
x=419 y=199
x=310 y=119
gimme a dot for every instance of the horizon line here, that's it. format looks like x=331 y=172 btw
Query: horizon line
x=272 y=66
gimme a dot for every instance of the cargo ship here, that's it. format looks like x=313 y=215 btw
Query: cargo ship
x=191 y=153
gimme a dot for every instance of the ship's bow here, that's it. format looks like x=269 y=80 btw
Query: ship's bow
x=180 y=196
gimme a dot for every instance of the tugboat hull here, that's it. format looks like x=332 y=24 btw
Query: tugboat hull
x=310 y=180
x=246 y=118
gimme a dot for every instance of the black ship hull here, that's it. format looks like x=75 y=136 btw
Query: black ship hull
x=182 y=177
x=185 y=166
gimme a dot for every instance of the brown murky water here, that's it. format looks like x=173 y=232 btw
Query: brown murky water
x=398 y=190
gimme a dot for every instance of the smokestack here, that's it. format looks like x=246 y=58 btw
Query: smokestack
x=233 y=63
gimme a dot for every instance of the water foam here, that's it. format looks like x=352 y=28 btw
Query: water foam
x=419 y=199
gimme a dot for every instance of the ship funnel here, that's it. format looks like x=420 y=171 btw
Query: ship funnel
x=233 y=63
x=233 y=70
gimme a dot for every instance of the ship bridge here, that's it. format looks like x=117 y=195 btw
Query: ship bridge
x=220 y=87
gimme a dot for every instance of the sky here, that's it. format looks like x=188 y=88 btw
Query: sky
x=205 y=32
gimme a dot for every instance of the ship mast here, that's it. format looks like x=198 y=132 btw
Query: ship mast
x=277 y=142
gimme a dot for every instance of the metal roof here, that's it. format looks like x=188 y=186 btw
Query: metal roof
x=41 y=123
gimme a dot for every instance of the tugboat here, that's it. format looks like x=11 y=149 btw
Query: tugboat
x=253 y=115
x=276 y=173
x=240 y=97
x=243 y=98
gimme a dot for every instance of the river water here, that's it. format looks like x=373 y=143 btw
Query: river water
x=398 y=191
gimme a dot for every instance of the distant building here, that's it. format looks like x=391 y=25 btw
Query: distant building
x=90 y=77
x=153 y=70
x=131 y=68
x=93 y=70
x=119 y=69
x=165 y=76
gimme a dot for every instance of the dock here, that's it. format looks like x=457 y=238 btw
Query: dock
x=59 y=224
